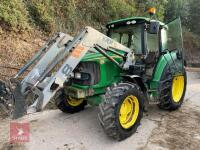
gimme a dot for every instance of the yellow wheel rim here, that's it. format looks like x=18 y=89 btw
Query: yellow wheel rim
x=177 y=88
x=74 y=102
x=129 y=111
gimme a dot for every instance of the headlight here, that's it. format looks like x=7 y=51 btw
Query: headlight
x=81 y=76
x=77 y=75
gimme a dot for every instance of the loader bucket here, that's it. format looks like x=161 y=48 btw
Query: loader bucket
x=20 y=107
x=4 y=97
x=12 y=102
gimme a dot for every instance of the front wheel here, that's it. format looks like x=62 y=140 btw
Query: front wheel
x=68 y=104
x=122 y=110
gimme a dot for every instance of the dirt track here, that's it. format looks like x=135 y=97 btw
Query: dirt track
x=159 y=129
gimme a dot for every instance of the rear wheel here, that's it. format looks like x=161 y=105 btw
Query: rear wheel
x=68 y=104
x=122 y=110
x=173 y=96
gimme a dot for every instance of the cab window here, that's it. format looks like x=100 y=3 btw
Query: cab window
x=152 y=42
x=129 y=36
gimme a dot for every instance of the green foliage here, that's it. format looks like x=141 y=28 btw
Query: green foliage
x=14 y=13
x=188 y=10
x=74 y=14
x=71 y=15
x=67 y=15
x=120 y=8
x=41 y=13
x=194 y=19
x=175 y=9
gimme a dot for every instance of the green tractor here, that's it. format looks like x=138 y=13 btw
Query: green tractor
x=158 y=76
x=139 y=62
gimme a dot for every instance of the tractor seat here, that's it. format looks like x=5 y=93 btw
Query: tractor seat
x=150 y=59
x=150 y=62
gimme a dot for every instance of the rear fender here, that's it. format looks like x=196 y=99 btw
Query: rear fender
x=169 y=59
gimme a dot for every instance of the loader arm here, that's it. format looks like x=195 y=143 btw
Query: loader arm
x=43 y=83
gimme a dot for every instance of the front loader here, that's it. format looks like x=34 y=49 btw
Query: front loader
x=139 y=62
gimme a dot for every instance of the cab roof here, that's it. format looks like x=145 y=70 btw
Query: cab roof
x=124 y=21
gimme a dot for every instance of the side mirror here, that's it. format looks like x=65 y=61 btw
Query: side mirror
x=154 y=27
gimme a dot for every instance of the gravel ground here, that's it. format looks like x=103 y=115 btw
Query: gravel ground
x=159 y=130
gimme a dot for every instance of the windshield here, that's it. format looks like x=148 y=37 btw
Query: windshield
x=129 y=36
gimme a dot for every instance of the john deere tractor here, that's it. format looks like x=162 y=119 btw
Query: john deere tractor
x=139 y=62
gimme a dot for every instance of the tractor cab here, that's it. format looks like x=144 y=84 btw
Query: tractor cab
x=142 y=35
x=138 y=33
x=148 y=38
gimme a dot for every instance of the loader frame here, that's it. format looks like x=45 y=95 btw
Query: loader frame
x=42 y=83
x=54 y=65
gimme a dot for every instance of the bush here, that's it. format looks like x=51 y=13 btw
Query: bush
x=14 y=13
x=41 y=13
x=118 y=9
x=71 y=15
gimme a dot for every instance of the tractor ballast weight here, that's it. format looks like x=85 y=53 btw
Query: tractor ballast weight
x=139 y=62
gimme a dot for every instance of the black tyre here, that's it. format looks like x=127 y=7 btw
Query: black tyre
x=173 y=91
x=69 y=104
x=122 y=110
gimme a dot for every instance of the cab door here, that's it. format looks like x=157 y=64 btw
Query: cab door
x=174 y=36
x=172 y=41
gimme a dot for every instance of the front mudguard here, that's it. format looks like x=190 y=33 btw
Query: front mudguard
x=138 y=80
